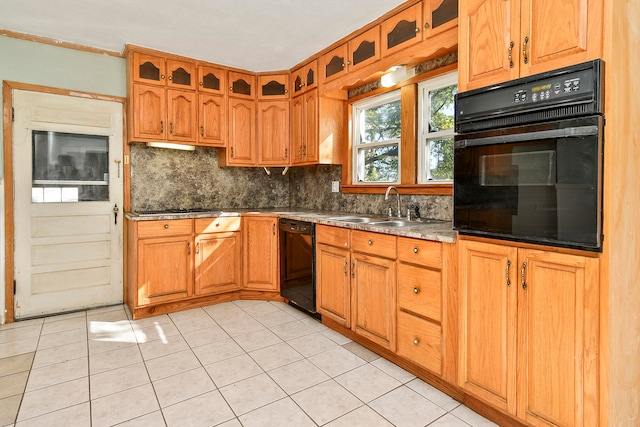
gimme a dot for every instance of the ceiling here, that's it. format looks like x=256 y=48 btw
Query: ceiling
x=256 y=35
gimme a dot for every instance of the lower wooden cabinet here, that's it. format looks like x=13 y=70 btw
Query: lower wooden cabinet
x=218 y=255
x=373 y=284
x=420 y=303
x=333 y=274
x=163 y=260
x=260 y=254
x=529 y=332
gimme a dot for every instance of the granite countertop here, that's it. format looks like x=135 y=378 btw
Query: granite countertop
x=436 y=230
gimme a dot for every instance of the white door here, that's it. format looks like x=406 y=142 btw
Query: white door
x=67 y=154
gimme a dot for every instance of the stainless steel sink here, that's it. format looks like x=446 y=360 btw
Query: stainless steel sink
x=357 y=219
x=395 y=223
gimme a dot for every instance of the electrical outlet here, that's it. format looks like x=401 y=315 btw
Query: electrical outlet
x=335 y=186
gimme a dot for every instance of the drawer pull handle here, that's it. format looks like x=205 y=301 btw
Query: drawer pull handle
x=370 y=242
x=522 y=272
x=166 y=226
x=416 y=341
x=507 y=272
x=415 y=250
x=416 y=290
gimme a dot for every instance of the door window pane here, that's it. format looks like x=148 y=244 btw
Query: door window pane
x=69 y=167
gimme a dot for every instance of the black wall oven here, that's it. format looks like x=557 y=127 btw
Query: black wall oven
x=528 y=159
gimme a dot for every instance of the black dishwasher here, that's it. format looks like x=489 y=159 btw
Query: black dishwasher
x=297 y=264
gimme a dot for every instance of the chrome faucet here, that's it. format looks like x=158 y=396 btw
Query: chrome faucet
x=386 y=197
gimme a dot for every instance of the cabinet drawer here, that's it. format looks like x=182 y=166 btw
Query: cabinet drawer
x=420 y=341
x=170 y=227
x=334 y=236
x=382 y=245
x=217 y=225
x=420 y=291
x=422 y=252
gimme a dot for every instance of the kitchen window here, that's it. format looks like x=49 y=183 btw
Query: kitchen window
x=376 y=139
x=435 y=124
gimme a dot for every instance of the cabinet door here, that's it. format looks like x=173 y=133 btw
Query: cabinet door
x=557 y=339
x=364 y=49
x=310 y=149
x=164 y=269
x=557 y=34
x=374 y=299
x=148 y=69
x=149 y=112
x=489 y=48
x=260 y=239
x=181 y=114
x=242 y=132
x=298 y=129
x=212 y=80
x=305 y=78
x=402 y=30
x=439 y=16
x=333 y=64
x=242 y=85
x=488 y=304
x=333 y=284
x=181 y=74
x=273 y=86
x=273 y=133
x=212 y=120
x=217 y=263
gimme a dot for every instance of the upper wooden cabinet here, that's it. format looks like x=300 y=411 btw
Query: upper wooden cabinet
x=402 y=30
x=242 y=85
x=358 y=52
x=316 y=129
x=273 y=86
x=502 y=40
x=241 y=147
x=438 y=17
x=163 y=104
x=212 y=80
x=333 y=64
x=212 y=120
x=156 y=70
x=273 y=133
x=304 y=78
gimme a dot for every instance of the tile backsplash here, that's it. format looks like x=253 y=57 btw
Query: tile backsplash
x=173 y=179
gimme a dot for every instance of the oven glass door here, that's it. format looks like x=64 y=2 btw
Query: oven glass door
x=538 y=183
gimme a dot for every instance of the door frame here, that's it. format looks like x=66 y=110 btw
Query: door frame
x=9 y=230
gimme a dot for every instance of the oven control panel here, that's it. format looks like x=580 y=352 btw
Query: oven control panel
x=577 y=85
x=548 y=90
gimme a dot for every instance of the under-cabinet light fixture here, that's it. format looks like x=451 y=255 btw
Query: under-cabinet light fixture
x=394 y=76
x=171 y=145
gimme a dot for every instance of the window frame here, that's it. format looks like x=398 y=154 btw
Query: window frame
x=365 y=104
x=424 y=135
x=409 y=147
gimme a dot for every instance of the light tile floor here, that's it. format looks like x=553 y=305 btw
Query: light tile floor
x=242 y=363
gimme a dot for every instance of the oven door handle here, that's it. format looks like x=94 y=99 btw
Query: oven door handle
x=573 y=132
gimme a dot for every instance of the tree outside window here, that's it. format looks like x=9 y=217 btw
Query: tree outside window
x=377 y=131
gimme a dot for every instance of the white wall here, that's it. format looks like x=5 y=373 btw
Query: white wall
x=48 y=65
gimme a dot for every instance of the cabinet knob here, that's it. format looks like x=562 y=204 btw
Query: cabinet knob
x=416 y=290
x=370 y=242
x=166 y=226
x=162 y=76
x=201 y=84
x=426 y=25
x=170 y=78
x=415 y=250
x=217 y=224
x=416 y=341
x=417 y=30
